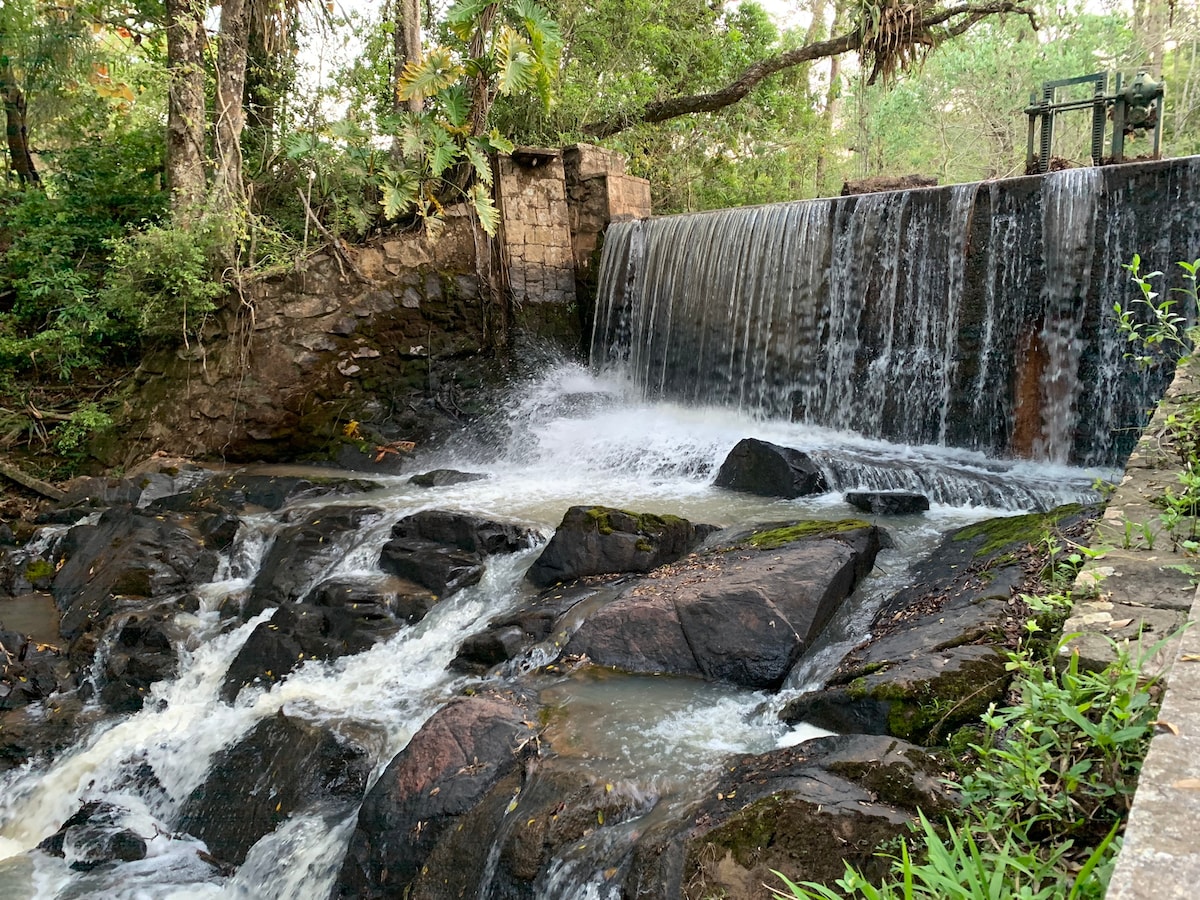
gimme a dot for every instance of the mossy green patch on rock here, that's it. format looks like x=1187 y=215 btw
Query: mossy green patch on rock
x=39 y=569
x=813 y=528
x=998 y=534
x=643 y=523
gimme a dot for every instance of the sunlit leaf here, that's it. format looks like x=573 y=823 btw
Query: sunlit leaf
x=436 y=70
x=485 y=209
x=498 y=142
x=514 y=62
x=476 y=152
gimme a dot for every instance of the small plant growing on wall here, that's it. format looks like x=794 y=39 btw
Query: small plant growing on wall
x=1153 y=323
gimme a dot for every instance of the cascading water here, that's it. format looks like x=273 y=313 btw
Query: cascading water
x=975 y=316
x=573 y=439
x=796 y=324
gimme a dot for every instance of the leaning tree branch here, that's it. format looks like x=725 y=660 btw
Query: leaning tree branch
x=968 y=14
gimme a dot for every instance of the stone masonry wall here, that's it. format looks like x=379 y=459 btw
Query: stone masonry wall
x=282 y=373
x=599 y=192
x=406 y=336
x=536 y=233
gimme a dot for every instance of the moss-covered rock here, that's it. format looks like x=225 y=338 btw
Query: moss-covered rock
x=800 y=811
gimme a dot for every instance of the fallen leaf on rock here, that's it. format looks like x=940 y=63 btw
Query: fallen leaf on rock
x=1187 y=784
x=1167 y=726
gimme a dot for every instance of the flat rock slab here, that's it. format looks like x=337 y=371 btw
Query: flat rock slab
x=740 y=617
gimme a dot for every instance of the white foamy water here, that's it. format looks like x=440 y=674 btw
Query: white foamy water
x=572 y=439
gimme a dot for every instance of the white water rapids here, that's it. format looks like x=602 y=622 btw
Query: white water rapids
x=572 y=439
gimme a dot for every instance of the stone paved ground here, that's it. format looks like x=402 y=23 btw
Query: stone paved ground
x=1140 y=594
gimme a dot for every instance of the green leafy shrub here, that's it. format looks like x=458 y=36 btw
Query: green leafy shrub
x=1041 y=811
x=162 y=281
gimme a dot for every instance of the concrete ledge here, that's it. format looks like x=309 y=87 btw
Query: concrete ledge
x=1142 y=588
x=1161 y=855
x=1138 y=595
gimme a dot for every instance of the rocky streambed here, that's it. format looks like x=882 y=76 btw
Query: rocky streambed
x=295 y=684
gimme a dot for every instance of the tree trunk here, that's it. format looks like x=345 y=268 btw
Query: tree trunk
x=481 y=97
x=20 y=158
x=407 y=49
x=228 y=188
x=185 y=107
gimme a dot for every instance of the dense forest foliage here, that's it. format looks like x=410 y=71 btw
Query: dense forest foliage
x=158 y=151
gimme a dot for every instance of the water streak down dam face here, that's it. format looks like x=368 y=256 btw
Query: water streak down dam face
x=976 y=316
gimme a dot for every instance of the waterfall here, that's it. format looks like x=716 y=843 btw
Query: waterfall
x=973 y=316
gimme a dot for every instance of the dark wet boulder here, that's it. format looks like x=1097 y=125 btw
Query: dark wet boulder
x=141 y=654
x=466 y=532
x=340 y=618
x=495 y=645
x=445 y=478
x=759 y=467
x=888 y=503
x=218 y=529
x=800 y=810
x=241 y=491
x=283 y=766
x=541 y=619
x=600 y=540
x=444 y=551
x=29 y=671
x=558 y=804
x=435 y=566
x=127 y=557
x=448 y=768
x=378 y=605
x=95 y=834
x=294 y=634
x=741 y=616
x=302 y=552
x=938 y=650
x=43 y=728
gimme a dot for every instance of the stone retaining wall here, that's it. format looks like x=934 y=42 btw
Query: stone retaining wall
x=405 y=335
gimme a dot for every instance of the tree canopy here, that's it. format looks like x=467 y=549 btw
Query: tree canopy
x=156 y=150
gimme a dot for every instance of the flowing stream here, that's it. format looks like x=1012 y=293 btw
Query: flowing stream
x=572 y=438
